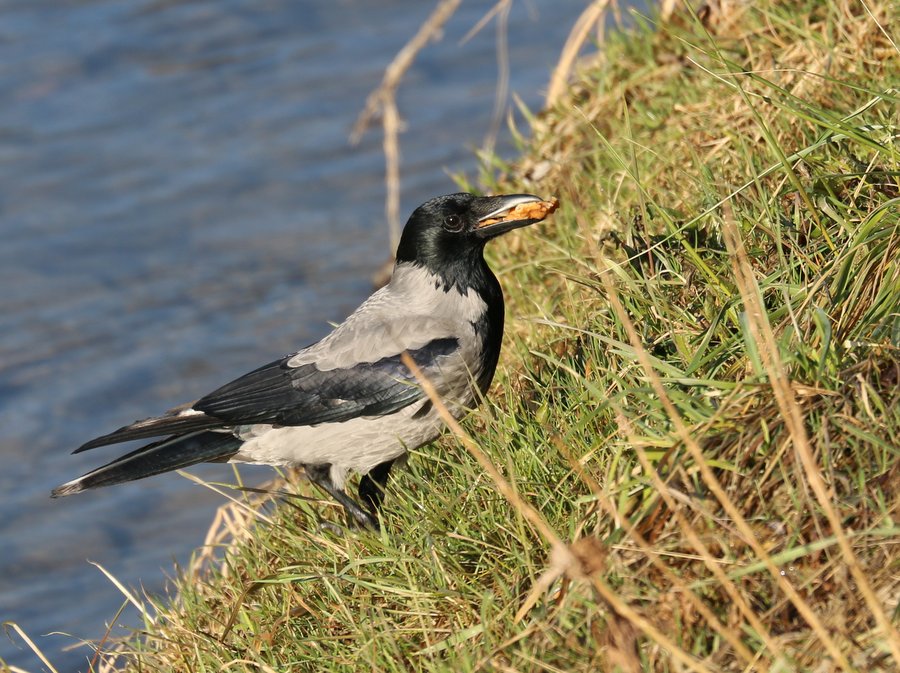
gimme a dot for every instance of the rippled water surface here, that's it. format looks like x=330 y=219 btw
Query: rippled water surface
x=179 y=204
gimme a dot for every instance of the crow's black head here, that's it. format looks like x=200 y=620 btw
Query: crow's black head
x=445 y=237
x=450 y=230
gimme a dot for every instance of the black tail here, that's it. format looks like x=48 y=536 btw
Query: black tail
x=170 y=424
x=162 y=456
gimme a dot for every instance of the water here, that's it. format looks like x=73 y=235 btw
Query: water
x=179 y=204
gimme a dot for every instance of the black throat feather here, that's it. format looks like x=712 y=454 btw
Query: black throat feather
x=470 y=273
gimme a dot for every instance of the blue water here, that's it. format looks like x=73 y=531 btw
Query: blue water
x=179 y=204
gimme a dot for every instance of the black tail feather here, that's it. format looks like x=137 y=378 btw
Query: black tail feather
x=165 y=455
x=153 y=427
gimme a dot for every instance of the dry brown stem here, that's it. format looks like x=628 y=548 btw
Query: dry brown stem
x=384 y=100
x=559 y=80
x=565 y=560
x=792 y=414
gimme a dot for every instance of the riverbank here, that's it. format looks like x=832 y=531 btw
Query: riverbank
x=696 y=417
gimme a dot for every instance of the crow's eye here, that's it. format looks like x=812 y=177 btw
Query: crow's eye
x=453 y=223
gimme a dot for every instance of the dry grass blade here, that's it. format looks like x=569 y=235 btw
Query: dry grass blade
x=713 y=484
x=564 y=560
x=790 y=410
x=384 y=101
x=125 y=592
x=881 y=27
x=500 y=6
x=501 y=91
x=607 y=503
x=642 y=623
x=101 y=644
x=28 y=641
x=251 y=511
x=626 y=428
x=523 y=507
x=559 y=80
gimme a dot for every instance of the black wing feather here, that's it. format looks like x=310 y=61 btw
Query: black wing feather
x=304 y=395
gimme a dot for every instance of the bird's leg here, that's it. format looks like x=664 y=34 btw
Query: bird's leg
x=372 y=485
x=320 y=475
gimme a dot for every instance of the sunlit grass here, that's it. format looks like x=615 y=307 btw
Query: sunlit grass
x=699 y=397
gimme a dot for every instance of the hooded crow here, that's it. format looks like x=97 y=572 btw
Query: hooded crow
x=348 y=403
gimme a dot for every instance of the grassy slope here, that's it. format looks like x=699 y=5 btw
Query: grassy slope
x=660 y=422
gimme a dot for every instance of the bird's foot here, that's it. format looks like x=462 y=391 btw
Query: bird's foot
x=320 y=475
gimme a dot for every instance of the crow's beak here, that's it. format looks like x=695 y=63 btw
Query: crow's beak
x=492 y=210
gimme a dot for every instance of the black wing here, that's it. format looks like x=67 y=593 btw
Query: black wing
x=304 y=395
